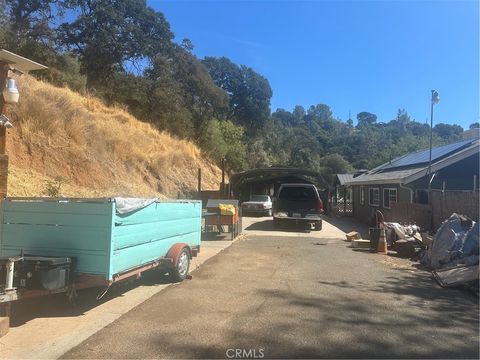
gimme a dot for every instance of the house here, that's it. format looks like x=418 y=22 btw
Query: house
x=454 y=173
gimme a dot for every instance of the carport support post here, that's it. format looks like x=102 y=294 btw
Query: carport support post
x=223 y=177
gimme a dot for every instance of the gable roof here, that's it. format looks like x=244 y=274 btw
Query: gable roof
x=413 y=166
x=344 y=178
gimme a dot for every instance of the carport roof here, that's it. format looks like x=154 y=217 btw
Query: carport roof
x=274 y=172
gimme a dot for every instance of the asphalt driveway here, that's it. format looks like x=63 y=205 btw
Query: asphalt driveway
x=296 y=295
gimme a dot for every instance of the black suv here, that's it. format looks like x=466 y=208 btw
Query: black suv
x=298 y=204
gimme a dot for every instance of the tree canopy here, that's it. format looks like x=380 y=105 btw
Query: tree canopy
x=123 y=52
x=109 y=34
x=249 y=92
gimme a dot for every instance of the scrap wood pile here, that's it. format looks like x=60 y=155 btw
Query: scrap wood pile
x=404 y=239
x=453 y=254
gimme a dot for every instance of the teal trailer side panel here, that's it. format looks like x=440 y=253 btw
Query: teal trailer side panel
x=148 y=234
x=102 y=242
x=59 y=228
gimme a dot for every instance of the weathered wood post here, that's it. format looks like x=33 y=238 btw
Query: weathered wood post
x=18 y=64
x=222 y=188
x=4 y=68
x=199 y=181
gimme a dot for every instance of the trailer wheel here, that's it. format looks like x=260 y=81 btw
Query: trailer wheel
x=180 y=270
x=318 y=225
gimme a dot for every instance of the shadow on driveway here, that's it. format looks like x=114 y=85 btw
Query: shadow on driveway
x=267 y=225
x=292 y=299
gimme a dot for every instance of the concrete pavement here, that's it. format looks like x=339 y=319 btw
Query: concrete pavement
x=297 y=296
x=47 y=327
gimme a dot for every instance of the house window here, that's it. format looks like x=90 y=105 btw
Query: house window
x=374 y=196
x=389 y=196
x=362 y=195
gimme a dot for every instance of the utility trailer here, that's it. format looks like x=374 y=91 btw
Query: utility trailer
x=61 y=245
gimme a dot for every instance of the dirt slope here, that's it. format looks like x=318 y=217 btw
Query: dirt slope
x=95 y=150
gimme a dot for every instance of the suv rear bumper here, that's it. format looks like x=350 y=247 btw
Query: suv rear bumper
x=307 y=219
x=304 y=223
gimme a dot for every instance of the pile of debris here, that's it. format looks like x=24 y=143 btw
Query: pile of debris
x=404 y=239
x=453 y=254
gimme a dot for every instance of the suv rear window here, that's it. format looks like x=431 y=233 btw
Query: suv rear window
x=297 y=193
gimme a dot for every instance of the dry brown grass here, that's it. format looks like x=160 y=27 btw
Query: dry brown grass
x=99 y=149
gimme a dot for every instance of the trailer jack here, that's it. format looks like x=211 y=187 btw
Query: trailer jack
x=10 y=267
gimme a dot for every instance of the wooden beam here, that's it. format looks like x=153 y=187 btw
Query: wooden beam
x=4 y=68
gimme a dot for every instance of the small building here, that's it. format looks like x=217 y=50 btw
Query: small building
x=408 y=179
x=340 y=200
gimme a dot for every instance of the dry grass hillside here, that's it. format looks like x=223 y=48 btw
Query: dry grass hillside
x=95 y=150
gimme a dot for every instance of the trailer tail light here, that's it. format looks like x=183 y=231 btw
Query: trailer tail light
x=320 y=206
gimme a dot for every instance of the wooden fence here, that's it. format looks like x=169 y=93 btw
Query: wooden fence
x=410 y=213
x=443 y=204
x=446 y=203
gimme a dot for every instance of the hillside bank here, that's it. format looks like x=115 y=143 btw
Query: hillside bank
x=95 y=150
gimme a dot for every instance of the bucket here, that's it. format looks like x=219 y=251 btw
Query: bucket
x=374 y=238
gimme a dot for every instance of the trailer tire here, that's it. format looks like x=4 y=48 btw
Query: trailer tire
x=180 y=269
x=318 y=225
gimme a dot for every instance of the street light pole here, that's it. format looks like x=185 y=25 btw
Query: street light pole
x=435 y=99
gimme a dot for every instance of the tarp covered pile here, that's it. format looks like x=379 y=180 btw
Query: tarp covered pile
x=454 y=252
x=456 y=242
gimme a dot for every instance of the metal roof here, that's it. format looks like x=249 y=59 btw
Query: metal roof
x=389 y=177
x=261 y=174
x=384 y=174
x=19 y=62
x=344 y=178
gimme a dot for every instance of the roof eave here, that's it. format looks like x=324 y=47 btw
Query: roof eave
x=375 y=182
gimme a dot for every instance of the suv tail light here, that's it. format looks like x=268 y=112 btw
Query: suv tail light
x=320 y=206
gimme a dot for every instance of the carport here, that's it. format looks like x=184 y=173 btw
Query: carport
x=266 y=181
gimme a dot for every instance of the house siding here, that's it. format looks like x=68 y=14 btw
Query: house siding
x=459 y=176
x=366 y=213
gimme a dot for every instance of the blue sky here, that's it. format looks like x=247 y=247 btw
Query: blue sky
x=354 y=56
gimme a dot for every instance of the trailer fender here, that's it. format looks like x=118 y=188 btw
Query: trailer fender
x=175 y=251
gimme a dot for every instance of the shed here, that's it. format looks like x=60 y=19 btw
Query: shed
x=341 y=199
